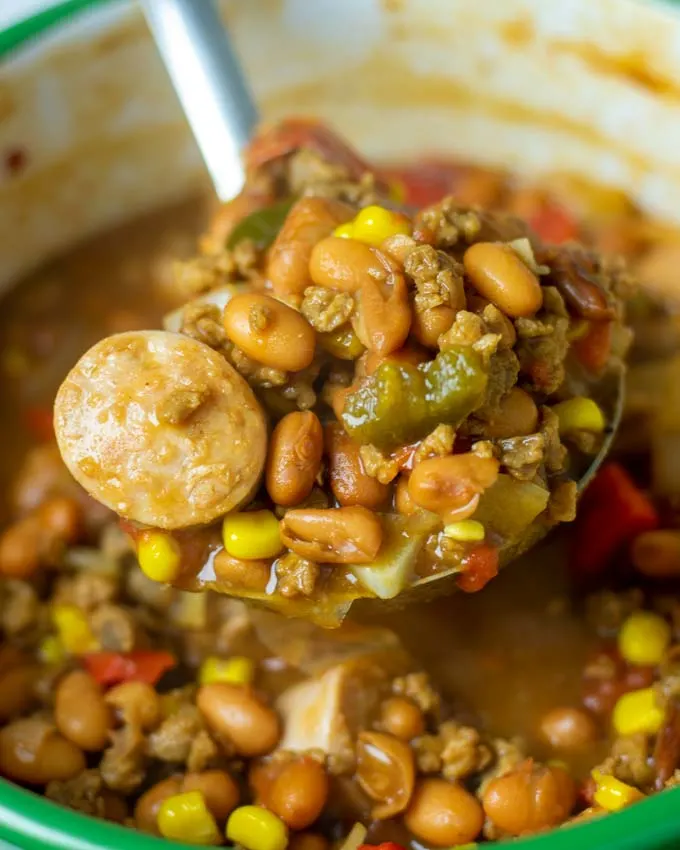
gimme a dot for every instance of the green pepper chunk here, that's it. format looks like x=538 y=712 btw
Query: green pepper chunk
x=399 y=403
x=262 y=226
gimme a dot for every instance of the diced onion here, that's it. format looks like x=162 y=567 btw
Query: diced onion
x=356 y=837
x=218 y=297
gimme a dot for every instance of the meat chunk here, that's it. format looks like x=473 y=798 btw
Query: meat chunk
x=161 y=429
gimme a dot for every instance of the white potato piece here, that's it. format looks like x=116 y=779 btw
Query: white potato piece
x=161 y=429
x=327 y=711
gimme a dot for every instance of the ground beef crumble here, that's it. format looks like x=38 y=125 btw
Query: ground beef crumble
x=296 y=576
x=325 y=309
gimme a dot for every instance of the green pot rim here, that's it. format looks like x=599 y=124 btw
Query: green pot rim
x=31 y=822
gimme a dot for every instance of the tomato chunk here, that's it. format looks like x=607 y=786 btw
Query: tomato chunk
x=112 y=668
x=613 y=511
x=481 y=565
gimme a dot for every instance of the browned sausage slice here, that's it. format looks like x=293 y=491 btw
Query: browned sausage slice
x=161 y=429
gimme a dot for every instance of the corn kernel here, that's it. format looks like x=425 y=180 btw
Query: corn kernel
x=237 y=670
x=579 y=414
x=73 y=628
x=256 y=829
x=185 y=817
x=159 y=556
x=375 y=224
x=345 y=231
x=252 y=535
x=612 y=794
x=644 y=638
x=637 y=711
x=465 y=531
x=51 y=650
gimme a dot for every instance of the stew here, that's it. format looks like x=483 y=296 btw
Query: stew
x=549 y=697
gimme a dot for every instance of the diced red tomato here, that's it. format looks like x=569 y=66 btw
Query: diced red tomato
x=481 y=565
x=39 y=423
x=112 y=668
x=554 y=224
x=425 y=183
x=593 y=349
x=613 y=511
x=386 y=845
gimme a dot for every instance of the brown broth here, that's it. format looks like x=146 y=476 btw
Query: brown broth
x=503 y=656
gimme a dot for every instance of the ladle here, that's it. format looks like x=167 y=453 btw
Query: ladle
x=211 y=86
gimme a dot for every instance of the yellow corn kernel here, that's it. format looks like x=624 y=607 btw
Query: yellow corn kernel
x=637 y=711
x=51 y=650
x=612 y=794
x=256 y=829
x=375 y=224
x=252 y=535
x=237 y=670
x=465 y=531
x=644 y=638
x=185 y=817
x=345 y=231
x=159 y=556
x=73 y=629
x=580 y=414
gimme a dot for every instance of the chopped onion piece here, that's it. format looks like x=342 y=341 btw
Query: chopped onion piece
x=218 y=297
x=523 y=249
x=510 y=506
x=357 y=836
x=391 y=571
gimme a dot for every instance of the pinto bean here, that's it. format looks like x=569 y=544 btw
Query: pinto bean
x=349 y=482
x=294 y=459
x=236 y=713
x=81 y=713
x=568 y=729
x=403 y=502
x=499 y=275
x=386 y=772
x=136 y=703
x=529 y=799
x=34 y=753
x=516 y=416
x=347 y=264
x=443 y=814
x=382 y=319
x=17 y=692
x=219 y=789
x=269 y=331
x=37 y=538
x=333 y=536
x=298 y=792
x=402 y=718
x=238 y=574
x=308 y=222
x=146 y=810
x=428 y=325
x=656 y=554
x=451 y=485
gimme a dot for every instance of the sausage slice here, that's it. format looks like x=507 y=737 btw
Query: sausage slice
x=161 y=429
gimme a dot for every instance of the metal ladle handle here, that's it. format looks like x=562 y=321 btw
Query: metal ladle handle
x=209 y=82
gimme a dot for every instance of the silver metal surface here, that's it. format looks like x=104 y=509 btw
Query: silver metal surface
x=207 y=77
